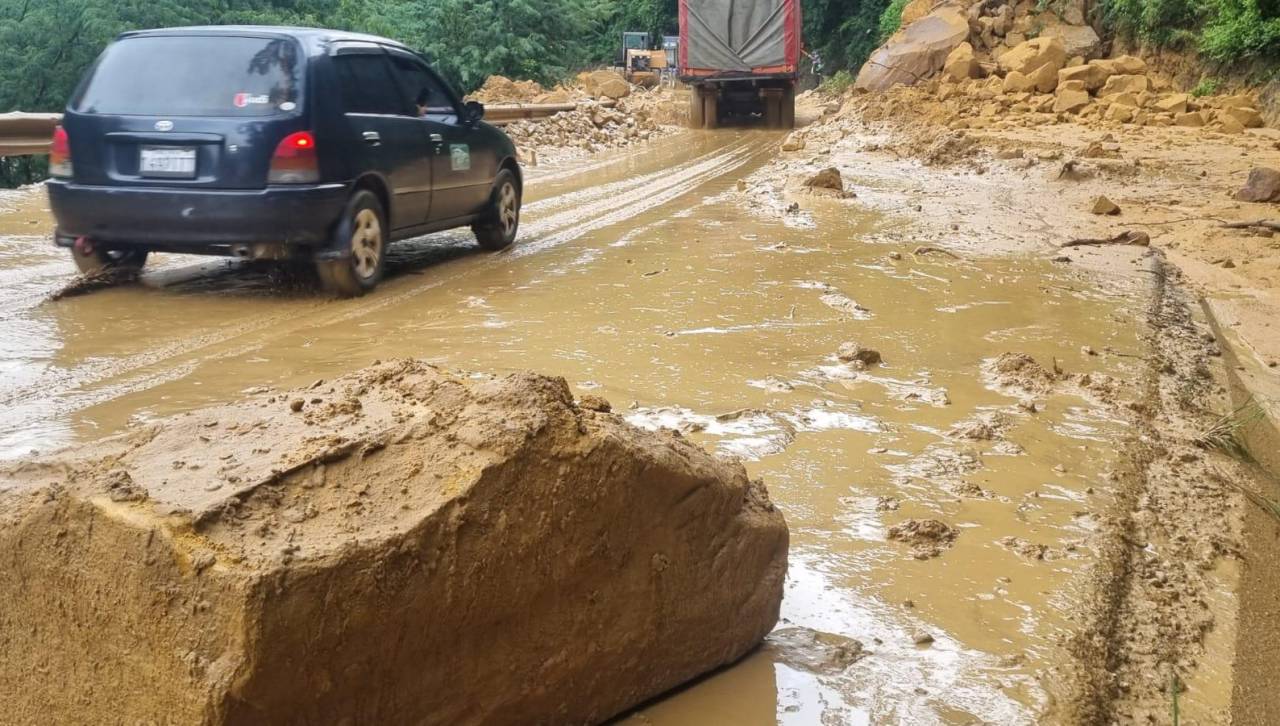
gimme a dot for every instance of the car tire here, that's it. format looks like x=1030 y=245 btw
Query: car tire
x=99 y=260
x=500 y=222
x=361 y=236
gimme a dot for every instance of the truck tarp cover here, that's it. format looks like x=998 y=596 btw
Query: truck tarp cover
x=738 y=35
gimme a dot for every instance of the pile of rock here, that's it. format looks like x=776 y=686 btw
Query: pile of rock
x=1038 y=76
x=981 y=50
x=590 y=128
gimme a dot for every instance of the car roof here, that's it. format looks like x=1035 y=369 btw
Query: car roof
x=313 y=38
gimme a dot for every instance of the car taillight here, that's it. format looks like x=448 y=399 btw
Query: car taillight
x=60 y=154
x=295 y=160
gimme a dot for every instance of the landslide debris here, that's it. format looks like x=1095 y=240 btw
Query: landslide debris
x=408 y=546
x=927 y=538
x=610 y=113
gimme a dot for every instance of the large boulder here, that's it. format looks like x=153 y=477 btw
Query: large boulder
x=960 y=65
x=402 y=545
x=916 y=52
x=1077 y=40
x=604 y=84
x=1030 y=55
x=1124 y=84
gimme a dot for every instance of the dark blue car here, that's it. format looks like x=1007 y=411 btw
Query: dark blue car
x=272 y=143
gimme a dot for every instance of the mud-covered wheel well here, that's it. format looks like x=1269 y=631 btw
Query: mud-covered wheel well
x=510 y=163
x=379 y=189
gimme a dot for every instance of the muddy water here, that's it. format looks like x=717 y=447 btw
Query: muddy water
x=644 y=279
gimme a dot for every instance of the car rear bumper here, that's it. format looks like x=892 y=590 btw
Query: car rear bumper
x=204 y=220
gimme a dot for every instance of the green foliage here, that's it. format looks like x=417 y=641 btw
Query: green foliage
x=844 y=32
x=1206 y=87
x=1225 y=31
x=891 y=18
x=838 y=83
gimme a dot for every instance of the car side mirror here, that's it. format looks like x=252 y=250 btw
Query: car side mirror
x=474 y=112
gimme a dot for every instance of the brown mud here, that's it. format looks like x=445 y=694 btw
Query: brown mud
x=694 y=288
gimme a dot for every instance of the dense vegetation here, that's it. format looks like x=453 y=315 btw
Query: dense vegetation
x=1225 y=31
x=45 y=45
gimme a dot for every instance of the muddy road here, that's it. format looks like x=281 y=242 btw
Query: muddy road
x=646 y=279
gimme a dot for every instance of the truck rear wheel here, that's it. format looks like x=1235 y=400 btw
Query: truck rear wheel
x=696 y=107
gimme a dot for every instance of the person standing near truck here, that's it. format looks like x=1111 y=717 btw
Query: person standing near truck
x=815 y=60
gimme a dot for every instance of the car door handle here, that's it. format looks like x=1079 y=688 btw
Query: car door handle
x=373 y=138
x=436 y=139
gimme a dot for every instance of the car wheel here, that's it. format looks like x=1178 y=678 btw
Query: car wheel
x=361 y=235
x=91 y=260
x=497 y=229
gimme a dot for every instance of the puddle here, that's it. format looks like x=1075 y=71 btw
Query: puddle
x=644 y=281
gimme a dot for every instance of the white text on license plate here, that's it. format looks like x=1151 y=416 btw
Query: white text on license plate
x=167 y=161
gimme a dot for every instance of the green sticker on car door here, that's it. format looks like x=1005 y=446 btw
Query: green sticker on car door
x=460 y=157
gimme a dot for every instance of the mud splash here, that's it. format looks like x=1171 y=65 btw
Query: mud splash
x=636 y=279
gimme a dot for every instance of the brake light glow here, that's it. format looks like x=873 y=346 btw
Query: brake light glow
x=295 y=160
x=60 y=154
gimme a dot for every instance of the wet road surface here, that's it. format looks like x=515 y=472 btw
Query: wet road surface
x=645 y=278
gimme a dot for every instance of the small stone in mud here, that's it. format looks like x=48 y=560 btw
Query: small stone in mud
x=1105 y=206
x=1028 y=405
x=592 y=402
x=850 y=352
x=922 y=639
x=296 y=405
x=888 y=504
x=815 y=651
x=909 y=604
x=895 y=255
x=927 y=537
x=1228 y=263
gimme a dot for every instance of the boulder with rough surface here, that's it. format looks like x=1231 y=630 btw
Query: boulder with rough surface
x=1263 y=186
x=409 y=546
x=1124 y=84
x=1029 y=56
x=916 y=52
x=961 y=65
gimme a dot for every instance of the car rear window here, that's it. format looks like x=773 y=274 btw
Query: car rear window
x=195 y=76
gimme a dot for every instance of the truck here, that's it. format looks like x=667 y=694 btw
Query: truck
x=740 y=60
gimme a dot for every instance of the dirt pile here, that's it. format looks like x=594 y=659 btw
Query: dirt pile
x=401 y=545
x=502 y=90
x=595 y=127
x=993 y=74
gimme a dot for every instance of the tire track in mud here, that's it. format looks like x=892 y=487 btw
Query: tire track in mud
x=570 y=216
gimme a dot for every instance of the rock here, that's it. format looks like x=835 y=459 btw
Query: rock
x=850 y=352
x=1028 y=57
x=1190 y=118
x=915 y=10
x=915 y=52
x=1228 y=124
x=922 y=638
x=1070 y=101
x=1077 y=40
x=1015 y=82
x=1102 y=205
x=1099 y=72
x=1241 y=100
x=592 y=402
x=960 y=64
x=1124 y=99
x=813 y=651
x=793 y=142
x=604 y=83
x=927 y=537
x=1129 y=65
x=1174 y=103
x=1045 y=78
x=828 y=178
x=1124 y=84
x=1263 y=186
x=1249 y=118
x=1120 y=113
x=1075 y=73
x=469 y=533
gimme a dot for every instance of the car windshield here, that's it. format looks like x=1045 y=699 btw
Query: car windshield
x=195 y=76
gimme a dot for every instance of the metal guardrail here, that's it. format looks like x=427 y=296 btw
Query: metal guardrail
x=27 y=134
x=23 y=134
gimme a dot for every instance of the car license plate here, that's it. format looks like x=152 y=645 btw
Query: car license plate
x=174 y=162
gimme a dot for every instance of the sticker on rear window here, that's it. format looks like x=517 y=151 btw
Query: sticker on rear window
x=288 y=106
x=460 y=157
x=243 y=100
